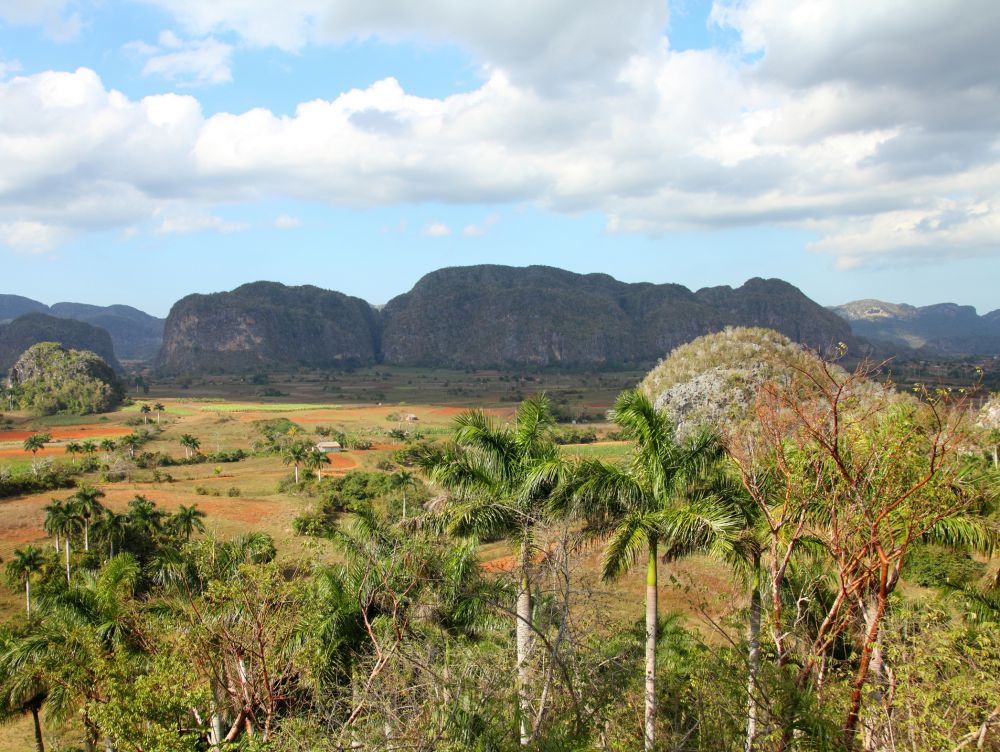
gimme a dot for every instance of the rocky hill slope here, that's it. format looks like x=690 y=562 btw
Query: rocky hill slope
x=479 y=317
x=945 y=328
x=482 y=316
x=30 y=329
x=268 y=325
x=136 y=335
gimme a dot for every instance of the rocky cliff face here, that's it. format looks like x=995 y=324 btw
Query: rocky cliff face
x=268 y=325
x=485 y=316
x=26 y=331
x=945 y=328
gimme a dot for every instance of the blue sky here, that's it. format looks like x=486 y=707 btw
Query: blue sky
x=149 y=149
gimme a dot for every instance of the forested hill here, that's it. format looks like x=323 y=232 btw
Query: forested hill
x=30 y=329
x=136 y=335
x=478 y=317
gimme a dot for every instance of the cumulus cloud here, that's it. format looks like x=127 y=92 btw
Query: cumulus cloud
x=193 y=62
x=477 y=231
x=8 y=67
x=54 y=16
x=31 y=237
x=287 y=222
x=875 y=163
x=437 y=230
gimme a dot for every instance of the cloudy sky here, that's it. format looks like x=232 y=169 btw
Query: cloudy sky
x=152 y=148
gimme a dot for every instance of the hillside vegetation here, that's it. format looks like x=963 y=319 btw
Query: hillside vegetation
x=49 y=378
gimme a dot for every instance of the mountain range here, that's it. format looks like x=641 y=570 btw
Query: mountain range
x=135 y=335
x=480 y=317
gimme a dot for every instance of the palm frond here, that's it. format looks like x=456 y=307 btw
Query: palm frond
x=625 y=544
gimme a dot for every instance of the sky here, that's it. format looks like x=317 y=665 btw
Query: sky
x=154 y=148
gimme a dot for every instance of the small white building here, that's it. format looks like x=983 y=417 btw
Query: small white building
x=329 y=447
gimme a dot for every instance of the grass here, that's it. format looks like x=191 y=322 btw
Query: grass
x=264 y=407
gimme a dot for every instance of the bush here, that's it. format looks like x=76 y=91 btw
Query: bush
x=937 y=566
x=233 y=492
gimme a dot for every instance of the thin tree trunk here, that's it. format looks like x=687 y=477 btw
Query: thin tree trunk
x=67 y=559
x=86 y=534
x=753 y=660
x=27 y=593
x=872 y=729
x=39 y=742
x=109 y=743
x=651 y=615
x=296 y=474
x=404 y=506
x=871 y=636
x=524 y=646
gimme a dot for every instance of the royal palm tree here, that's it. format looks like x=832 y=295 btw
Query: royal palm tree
x=131 y=442
x=144 y=516
x=315 y=460
x=187 y=520
x=294 y=454
x=26 y=562
x=502 y=478
x=33 y=444
x=88 y=447
x=159 y=408
x=52 y=526
x=65 y=521
x=72 y=448
x=402 y=480
x=108 y=445
x=113 y=527
x=22 y=689
x=145 y=410
x=85 y=503
x=634 y=504
x=190 y=444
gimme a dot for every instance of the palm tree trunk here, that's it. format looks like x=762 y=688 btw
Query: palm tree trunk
x=524 y=646
x=753 y=660
x=651 y=614
x=67 y=559
x=86 y=534
x=296 y=474
x=27 y=593
x=39 y=742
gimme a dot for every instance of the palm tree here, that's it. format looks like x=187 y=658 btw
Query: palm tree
x=73 y=448
x=502 y=479
x=187 y=520
x=112 y=526
x=131 y=442
x=88 y=446
x=33 y=444
x=86 y=504
x=144 y=516
x=53 y=512
x=294 y=454
x=145 y=409
x=65 y=522
x=25 y=563
x=22 y=689
x=637 y=503
x=190 y=444
x=108 y=445
x=402 y=480
x=159 y=408
x=314 y=460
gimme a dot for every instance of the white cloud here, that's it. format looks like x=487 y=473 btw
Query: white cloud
x=477 y=231
x=31 y=237
x=9 y=66
x=183 y=221
x=437 y=230
x=194 y=62
x=663 y=140
x=53 y=16
x=287 y=222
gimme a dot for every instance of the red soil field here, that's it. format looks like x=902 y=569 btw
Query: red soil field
x=65 y=434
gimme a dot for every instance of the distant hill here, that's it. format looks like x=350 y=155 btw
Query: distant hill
x=479 y=317
x=136 y=335
x=483 y=316
x=268 y=325
x=945 y=328
x=30 y=329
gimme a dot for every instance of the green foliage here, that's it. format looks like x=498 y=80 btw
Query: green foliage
x=937 y=566
x=49 y=379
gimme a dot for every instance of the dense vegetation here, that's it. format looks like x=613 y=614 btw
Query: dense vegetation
x=33 y=328
x=822 y=496
x=47 y=378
